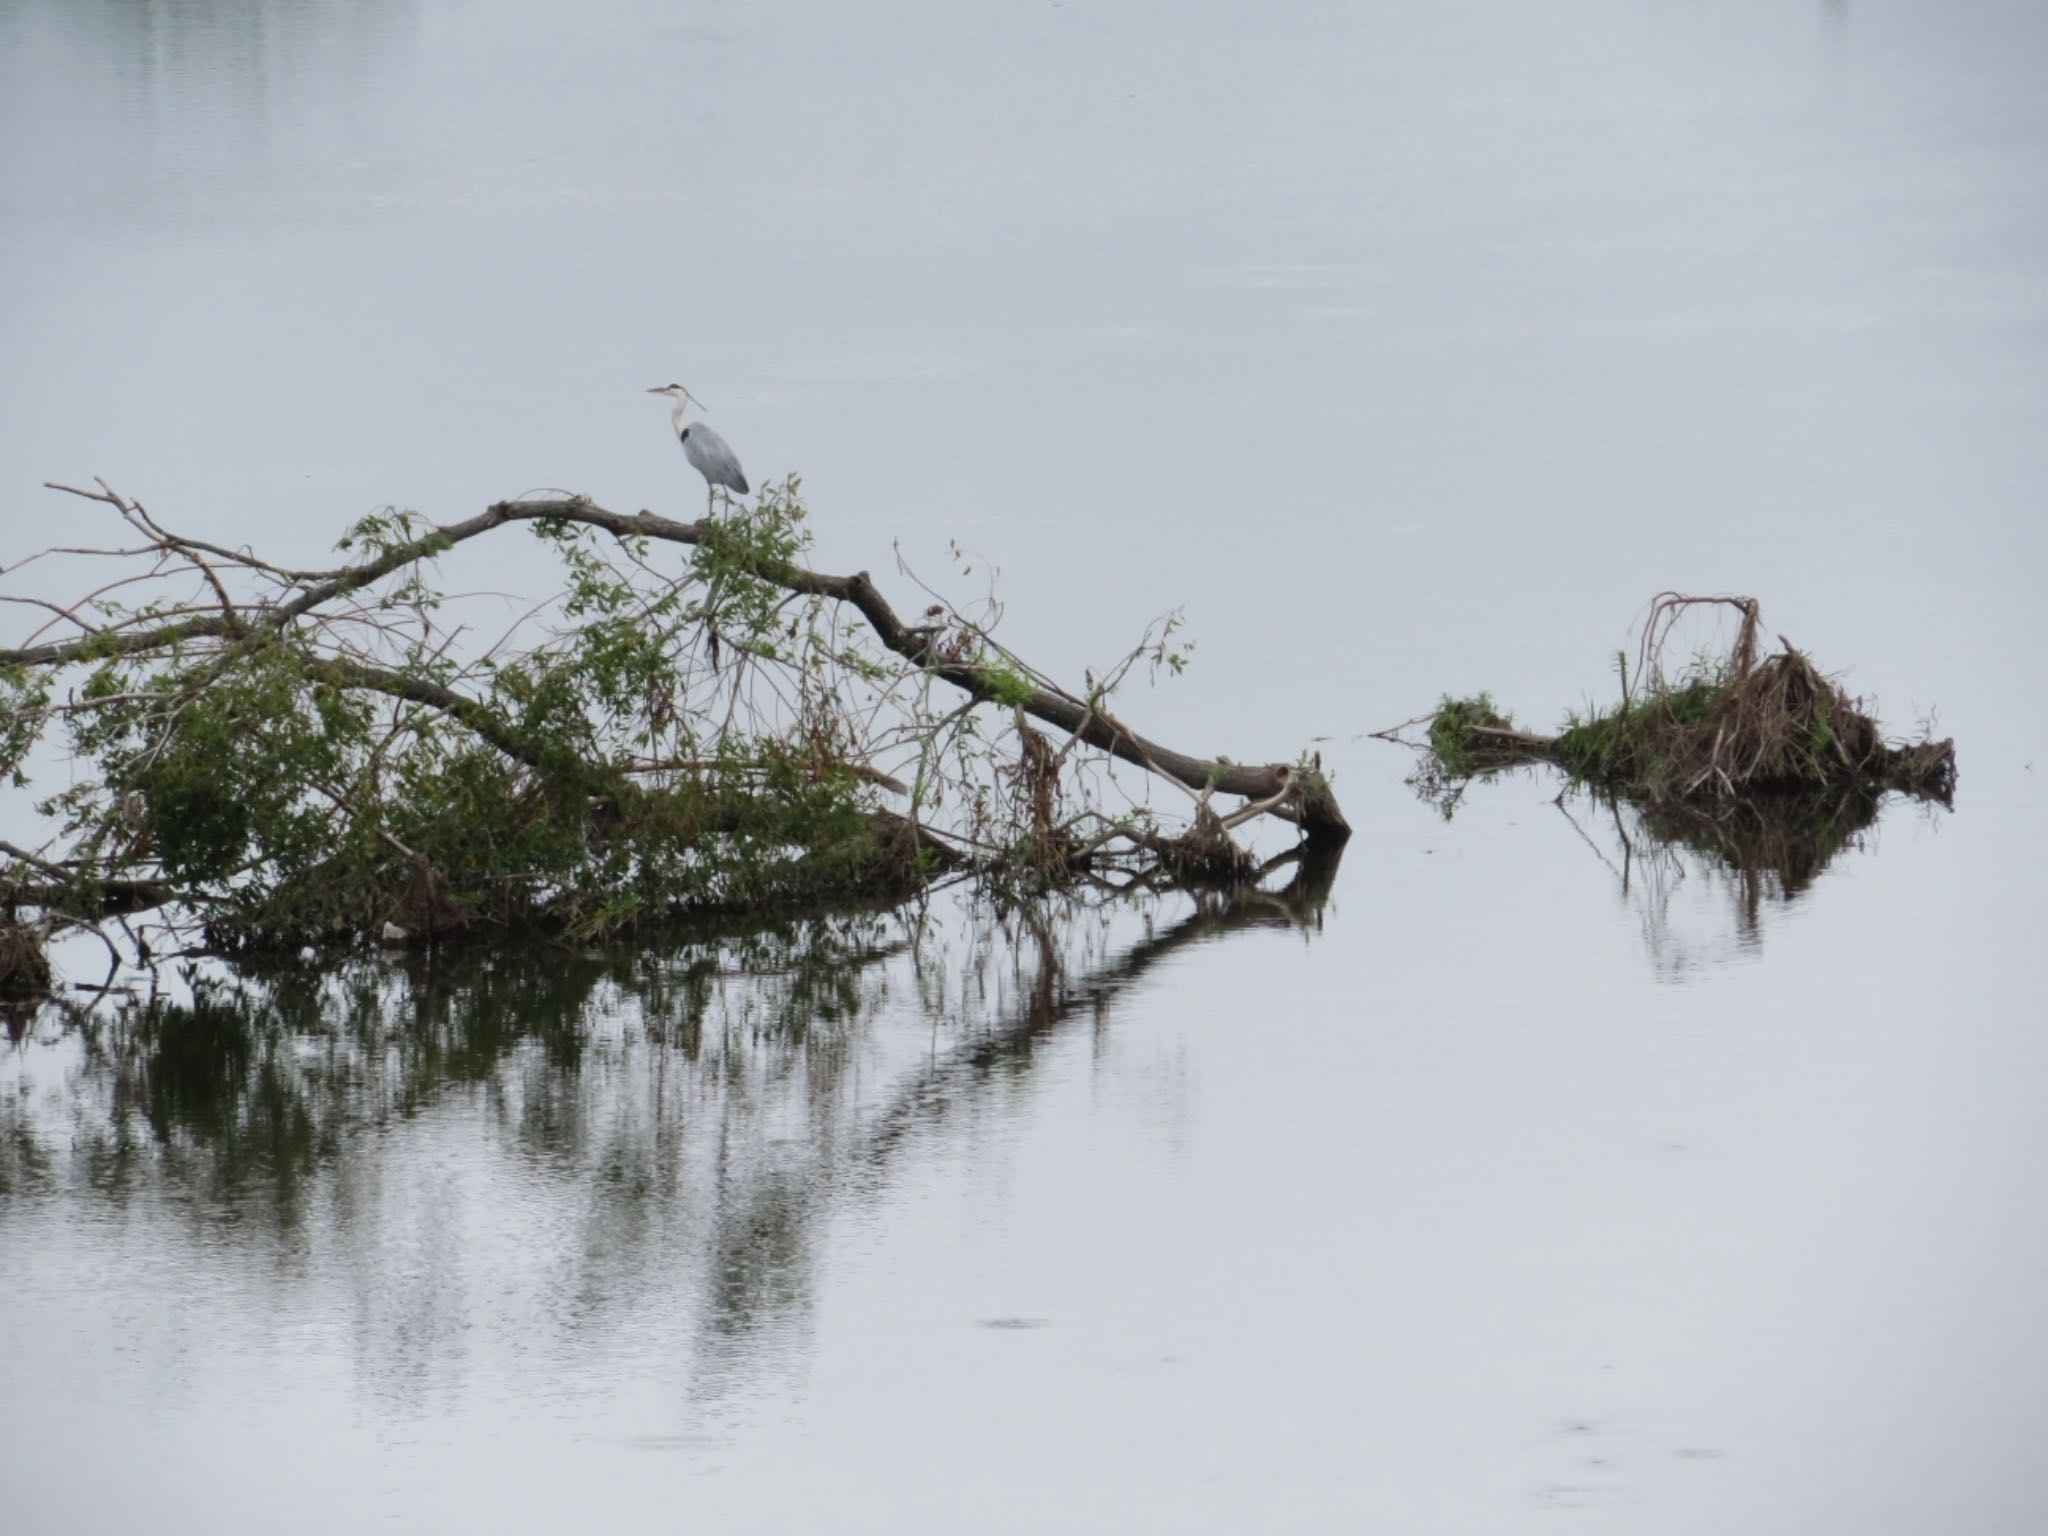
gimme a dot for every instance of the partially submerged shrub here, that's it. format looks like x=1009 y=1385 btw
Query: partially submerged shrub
x=275 y=757
x=1724 y=729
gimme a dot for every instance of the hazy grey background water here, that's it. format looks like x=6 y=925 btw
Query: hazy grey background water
x=1411 y=348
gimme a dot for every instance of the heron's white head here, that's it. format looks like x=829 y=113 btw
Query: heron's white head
x=677 y=393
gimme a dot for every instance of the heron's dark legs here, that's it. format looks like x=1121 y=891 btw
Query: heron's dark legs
x=711 y=593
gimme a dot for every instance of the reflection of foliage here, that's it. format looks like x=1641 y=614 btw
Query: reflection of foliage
x=1763 y=851
x=1776 y=846
x=704 y=1105
x=246 y=1090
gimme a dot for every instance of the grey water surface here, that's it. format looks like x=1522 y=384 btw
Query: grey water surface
x=1497 y=1180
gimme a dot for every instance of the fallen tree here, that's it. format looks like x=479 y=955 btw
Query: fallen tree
x=267 y=755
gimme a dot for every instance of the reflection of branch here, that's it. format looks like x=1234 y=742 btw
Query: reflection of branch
x=951 y=1079
x=1568 y=816
x=243 y=1124
x=764 y=1230
x=1764 y=847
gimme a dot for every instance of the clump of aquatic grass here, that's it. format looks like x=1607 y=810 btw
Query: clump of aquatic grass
x=1465 y=735
x=1724 y=728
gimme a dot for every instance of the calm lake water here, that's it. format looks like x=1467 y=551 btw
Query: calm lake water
x=1467 y=1187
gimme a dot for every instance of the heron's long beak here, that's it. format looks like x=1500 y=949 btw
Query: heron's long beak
x=662 y=389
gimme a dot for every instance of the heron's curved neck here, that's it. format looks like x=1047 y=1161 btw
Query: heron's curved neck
x=675 y=413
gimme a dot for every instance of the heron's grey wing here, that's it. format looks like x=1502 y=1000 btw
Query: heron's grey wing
x=713 y=457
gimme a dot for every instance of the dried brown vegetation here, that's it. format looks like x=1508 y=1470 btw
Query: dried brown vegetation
x=1735 y=727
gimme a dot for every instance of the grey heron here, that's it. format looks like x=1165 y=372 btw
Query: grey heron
x=711 y=454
